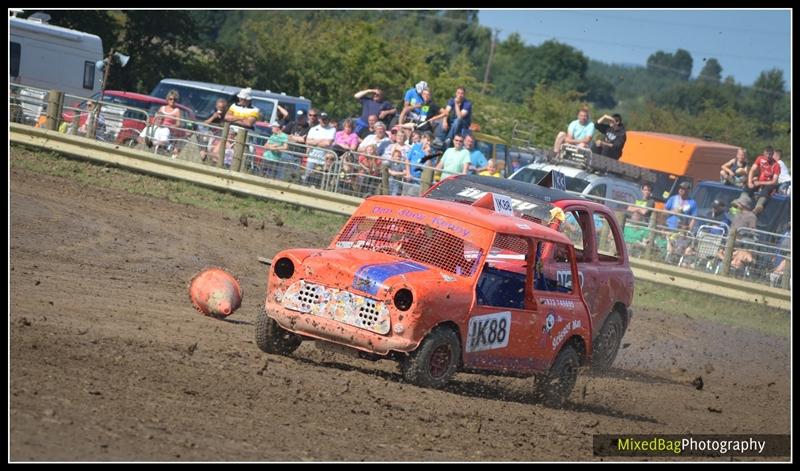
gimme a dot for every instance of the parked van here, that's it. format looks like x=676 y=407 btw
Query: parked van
x=50 y=57
x=202 y=96
x=675 y=159
x=581 y=181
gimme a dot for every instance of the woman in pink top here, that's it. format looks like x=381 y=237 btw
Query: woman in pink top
x=346 y=138
x=171 y=113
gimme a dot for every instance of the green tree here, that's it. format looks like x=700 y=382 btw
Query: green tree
x=678 y=65
x=712 y=71
x=160 y=45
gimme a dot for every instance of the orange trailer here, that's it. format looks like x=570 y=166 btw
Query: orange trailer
x=676 y=158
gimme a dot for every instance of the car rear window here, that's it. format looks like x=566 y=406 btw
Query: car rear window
x=533 y=175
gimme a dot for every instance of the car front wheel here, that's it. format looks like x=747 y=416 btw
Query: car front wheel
x=435 y=361
x=272 y=338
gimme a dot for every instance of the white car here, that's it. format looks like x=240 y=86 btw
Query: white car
x=581 y=181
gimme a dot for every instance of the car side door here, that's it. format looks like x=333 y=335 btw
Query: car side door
x=505 y=323
x=578 y=226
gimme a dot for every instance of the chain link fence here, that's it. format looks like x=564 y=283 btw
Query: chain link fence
x=698 y=244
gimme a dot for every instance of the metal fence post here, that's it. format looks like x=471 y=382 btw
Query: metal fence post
x=726 y=260
x=651 y=236
x=622 y=218
x=384 y=179
x=55 y=102
x=238 y=150
x=426 y=180
x=226 y=129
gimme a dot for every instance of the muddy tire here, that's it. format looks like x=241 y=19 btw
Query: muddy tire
x=435 y=361
x=608 y=342
x=554 y=387
x=272 y=338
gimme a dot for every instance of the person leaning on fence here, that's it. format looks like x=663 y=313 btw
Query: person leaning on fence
x=379 y=138
x=769 y=171
x=369 y=170
x=216 y=120
x=243 y=114
x=734 y=172
x=641 y=205
x=455 y=159
x=319 y=138
x=681 y=204
x=398 y=172
x=155 y=135
x=579 y=132
x=478 y=161
x=88 y=117
x=273 y=156
x=170 y=111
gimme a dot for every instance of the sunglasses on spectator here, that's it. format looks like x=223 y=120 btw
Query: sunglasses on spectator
x=312 y=115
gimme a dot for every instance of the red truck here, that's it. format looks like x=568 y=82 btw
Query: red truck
x=605 y=276
x=440 y=287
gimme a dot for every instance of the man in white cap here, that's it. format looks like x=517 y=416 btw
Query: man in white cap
x=413 y=100
x=243 y=114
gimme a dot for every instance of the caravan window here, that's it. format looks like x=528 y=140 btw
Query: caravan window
x=16 y=53
x=88 y=75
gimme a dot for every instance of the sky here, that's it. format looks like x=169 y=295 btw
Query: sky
x=744 y=42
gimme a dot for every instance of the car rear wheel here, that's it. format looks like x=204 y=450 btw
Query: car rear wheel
x=435 y=361
x=272 y=338
x=608 y=342
x=554 y=387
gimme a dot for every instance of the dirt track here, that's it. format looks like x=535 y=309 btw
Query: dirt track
x=109 y=361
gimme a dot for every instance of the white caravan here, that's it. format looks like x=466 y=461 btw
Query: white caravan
x=47 y=57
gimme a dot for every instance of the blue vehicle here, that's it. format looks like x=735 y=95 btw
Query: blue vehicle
x=773 y=219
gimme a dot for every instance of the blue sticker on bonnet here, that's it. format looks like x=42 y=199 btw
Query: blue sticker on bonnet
x=370 y=278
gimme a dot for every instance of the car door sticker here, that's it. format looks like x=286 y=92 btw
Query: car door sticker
x=489 y=331
x=564 y=278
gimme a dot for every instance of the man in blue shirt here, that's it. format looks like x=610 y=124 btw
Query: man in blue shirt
x=412 y=101
x=478 y=161
x=579 y=133
x=375 y=105
x=681 y=204
x=459 y=116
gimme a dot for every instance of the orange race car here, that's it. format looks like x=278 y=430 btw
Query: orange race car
x=438 y=286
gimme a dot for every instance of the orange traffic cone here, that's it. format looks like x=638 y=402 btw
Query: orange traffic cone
x=215 y=292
